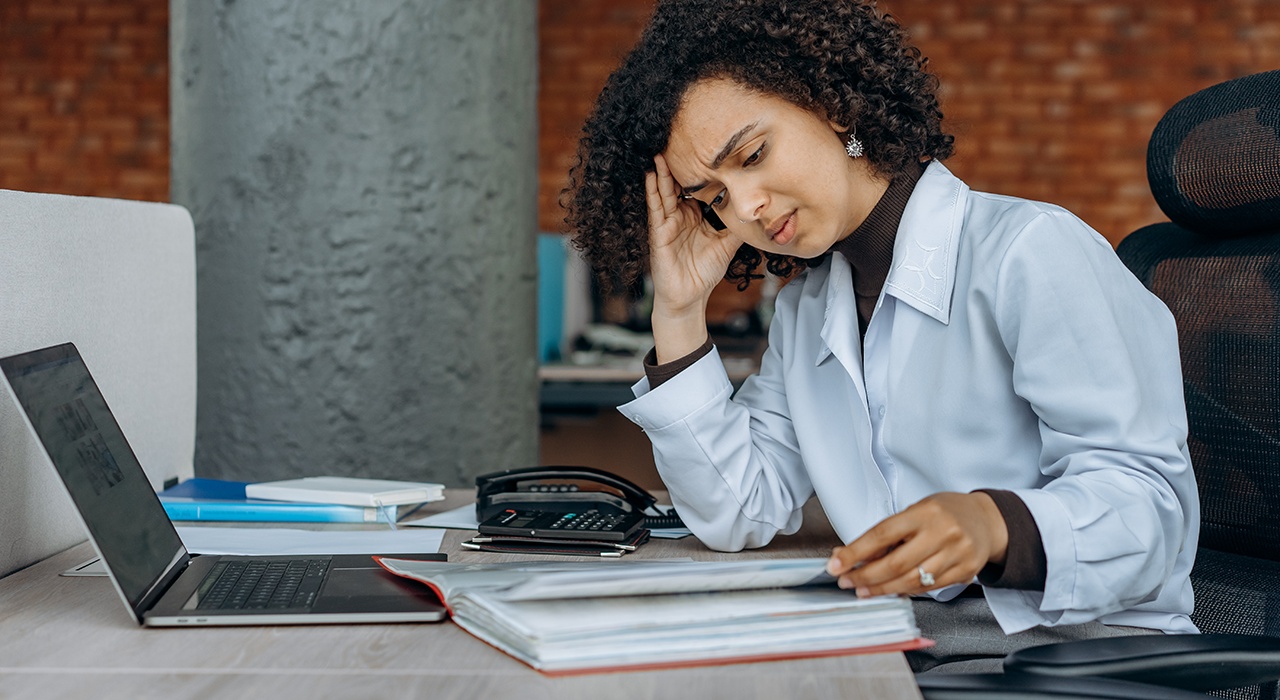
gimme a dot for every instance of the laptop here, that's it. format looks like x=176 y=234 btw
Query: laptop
x=160 y=583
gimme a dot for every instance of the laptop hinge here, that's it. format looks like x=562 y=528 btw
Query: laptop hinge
x=162 y=584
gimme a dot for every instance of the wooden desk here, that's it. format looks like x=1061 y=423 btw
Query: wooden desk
x=72 y=638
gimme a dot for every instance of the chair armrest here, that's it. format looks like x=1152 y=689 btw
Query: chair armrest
x=996 y=686
x=1192 y=661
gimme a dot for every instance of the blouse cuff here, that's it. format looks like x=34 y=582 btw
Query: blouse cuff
x=1025 y=567
x=658 y=374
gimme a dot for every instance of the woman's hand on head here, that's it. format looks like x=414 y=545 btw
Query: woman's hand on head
x=950 y=536
x=687 y=258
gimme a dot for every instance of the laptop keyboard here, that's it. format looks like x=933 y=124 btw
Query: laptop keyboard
x=256 y=584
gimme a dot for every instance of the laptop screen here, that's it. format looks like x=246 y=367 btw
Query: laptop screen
x=135 y=537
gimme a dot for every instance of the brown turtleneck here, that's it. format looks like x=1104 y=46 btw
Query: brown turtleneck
x=869 y=250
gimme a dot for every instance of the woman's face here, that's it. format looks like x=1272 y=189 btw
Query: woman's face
x=762 y=160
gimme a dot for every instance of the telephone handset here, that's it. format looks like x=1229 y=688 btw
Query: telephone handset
x=554 y=502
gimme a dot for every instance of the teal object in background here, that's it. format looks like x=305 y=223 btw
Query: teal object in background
x=552 y=253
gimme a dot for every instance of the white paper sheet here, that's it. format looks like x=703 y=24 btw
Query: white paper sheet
x=464 y=518
x=449 y=578
x=577 y=580
x=648 y=578
x=269 y=541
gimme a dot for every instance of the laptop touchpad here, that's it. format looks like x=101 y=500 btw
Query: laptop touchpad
x=373 y=589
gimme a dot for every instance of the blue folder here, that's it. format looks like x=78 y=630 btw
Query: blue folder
x=214 y=499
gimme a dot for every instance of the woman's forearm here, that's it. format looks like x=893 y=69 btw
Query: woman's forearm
x=678 y=334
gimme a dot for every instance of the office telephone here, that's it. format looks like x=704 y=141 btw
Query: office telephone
x=565 y=503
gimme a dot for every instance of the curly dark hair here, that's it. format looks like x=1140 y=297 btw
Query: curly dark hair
x=840 y=59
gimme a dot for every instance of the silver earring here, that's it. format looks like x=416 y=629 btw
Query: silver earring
x=853 y=146
x=741 y=221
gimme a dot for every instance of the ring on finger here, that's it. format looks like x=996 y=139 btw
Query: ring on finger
x=926 y=578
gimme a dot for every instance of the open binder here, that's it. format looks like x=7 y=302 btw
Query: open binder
x=567 y=618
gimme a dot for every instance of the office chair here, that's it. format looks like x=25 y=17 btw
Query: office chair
x=1214 y=167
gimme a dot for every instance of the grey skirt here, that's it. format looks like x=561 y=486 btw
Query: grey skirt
x=969 y=640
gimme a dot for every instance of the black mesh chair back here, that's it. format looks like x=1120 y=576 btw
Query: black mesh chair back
x=1214 y=167
x=1214 y=159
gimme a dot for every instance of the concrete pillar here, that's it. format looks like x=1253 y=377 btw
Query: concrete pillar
x=362 y=175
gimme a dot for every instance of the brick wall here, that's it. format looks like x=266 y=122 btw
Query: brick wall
x=1049 y=99
x=580 y=42
x=1056 y=100
x=84 y=97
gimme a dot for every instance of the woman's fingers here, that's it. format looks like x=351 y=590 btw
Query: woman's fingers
x=687 y=256
x=936 y=568
x=899 y=571
x=874 y=543
x=890 y=563
x=657 y=213
x=949 y=535
x=660 y=192
x=666 y=184
x=666 y=222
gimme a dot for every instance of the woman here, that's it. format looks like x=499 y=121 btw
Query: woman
x=973 y=385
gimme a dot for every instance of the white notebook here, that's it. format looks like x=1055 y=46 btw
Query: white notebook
x=345 y=490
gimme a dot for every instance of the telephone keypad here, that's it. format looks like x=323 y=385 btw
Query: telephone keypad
x=590 y=520
x=587 y=524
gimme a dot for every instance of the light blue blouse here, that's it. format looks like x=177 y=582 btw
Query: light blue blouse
x=1010 y=349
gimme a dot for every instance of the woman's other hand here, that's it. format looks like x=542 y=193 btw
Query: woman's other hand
x=687 y=258
x=950 y=536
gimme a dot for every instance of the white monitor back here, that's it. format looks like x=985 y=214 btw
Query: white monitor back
x=118 y=279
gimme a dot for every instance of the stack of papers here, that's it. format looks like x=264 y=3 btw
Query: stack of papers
x=254 y=541
x=569 y=618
